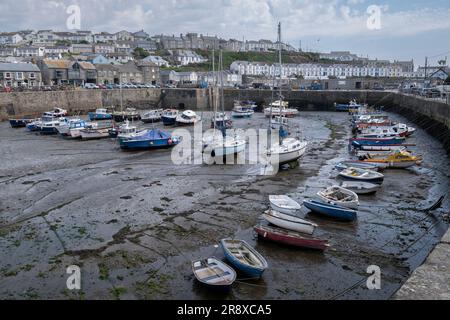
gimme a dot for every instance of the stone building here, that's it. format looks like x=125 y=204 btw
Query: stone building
x=150 y=71
x=19 y=75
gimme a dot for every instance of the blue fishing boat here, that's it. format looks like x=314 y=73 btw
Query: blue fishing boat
x=245 y=258
x=151 y=139
x=358 y=142
x=19 y=123
x=100 y=114
x=169 y=117
x=347 y=107
x=331 y=210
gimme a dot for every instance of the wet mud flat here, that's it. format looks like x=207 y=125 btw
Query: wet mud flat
x=133 y=221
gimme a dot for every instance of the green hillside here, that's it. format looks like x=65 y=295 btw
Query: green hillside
x=230 y=57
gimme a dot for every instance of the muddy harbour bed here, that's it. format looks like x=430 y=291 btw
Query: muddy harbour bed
x=133 y=221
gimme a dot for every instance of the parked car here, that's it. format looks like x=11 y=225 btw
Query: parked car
x=101 y=86
x=110 y=86
x=90 y=86
x=433 y=93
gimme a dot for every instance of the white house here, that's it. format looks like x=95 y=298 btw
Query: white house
x=185 y=57
x=29 y=51
x=104 y=37
x=315 y=71
x=157 y=60
x=10 y=38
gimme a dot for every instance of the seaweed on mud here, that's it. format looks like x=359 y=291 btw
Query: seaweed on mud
x=116 y=292
x=156 y=284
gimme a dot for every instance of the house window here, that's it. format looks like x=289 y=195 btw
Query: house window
x=32 y=75
x=8 y=75
x=19 y=75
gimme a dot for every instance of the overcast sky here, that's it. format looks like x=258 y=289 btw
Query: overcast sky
x=409 y=29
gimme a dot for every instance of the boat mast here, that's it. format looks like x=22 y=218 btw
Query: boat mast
x=213 y=91
x=279 y=60
x=222 y=101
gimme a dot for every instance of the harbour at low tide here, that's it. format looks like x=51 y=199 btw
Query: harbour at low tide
x=133 y=221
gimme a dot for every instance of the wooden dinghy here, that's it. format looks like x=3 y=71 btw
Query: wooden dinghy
x=290 y=238
x=245 y=258
x=360 y=187
x=289 y=222
x=284 y=204
x=214 y=273
x=339 y=196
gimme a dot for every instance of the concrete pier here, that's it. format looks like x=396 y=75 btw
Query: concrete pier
x=431 y=281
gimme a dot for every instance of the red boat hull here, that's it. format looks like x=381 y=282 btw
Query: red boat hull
x=296 y=241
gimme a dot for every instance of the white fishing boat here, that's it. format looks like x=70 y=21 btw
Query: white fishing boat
x=91 y=134
x=382 y=132
x=221 y=119
x=67 y=127
x=289 y=222
x=242 y=112
x=57 y=113
x=187 y=118
x=339 y=196
x=284 y=204
x=152 y=116
x=403 y=127
x=50 y=125
x=280 y=109
x=245 y=104
x=127 y=130
x=360 y=187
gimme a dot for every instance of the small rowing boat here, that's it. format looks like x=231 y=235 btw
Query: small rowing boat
x=356 y=164
x=361 y=175
x=214 y=273
x=290 y=238
x=289 y=222
x=360 y=187
x=330 y=210
x=284 y=204
x=244 y=257
x=339 y=196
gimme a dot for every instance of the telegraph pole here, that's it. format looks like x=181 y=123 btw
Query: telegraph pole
x=426 y=68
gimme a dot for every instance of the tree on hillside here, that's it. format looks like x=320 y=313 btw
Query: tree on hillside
x=447 y=82
x=140 y=53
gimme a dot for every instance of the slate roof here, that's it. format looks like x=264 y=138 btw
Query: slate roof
x=19 y=67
